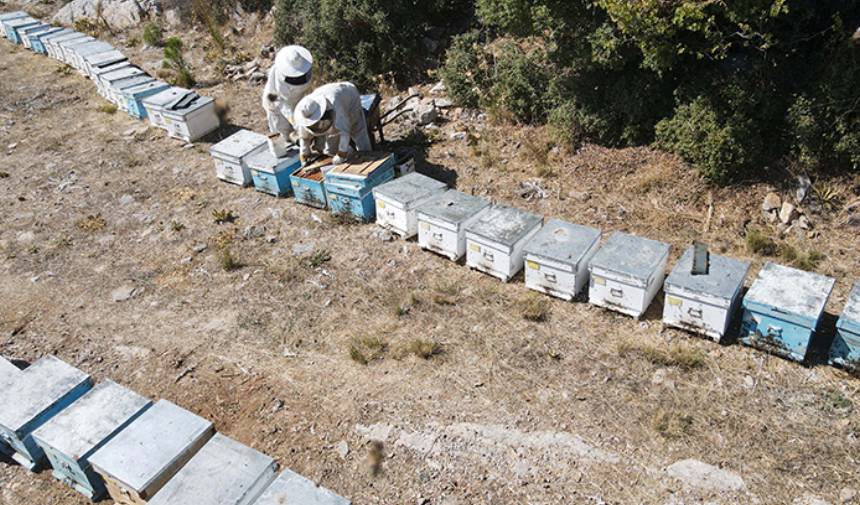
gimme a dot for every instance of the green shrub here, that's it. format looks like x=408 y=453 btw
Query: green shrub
x=465 y=70
x=175 y=61
x=564 y=125
x=520 y=82
x=153 y=35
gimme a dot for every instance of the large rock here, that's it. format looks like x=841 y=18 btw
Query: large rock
x=701 y=475
x=788 y=213
x=119 y=14
x=772 y=202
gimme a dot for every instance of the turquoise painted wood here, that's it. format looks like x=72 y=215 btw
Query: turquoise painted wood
x=13 y=28
x=134 y=96
x=26 y=34
x=309 y=183
x=350 y=186
x=783 y=309
x=41 y=392
x=36 y=40
x=9 y=16
x=272 y=175
x=845 y=351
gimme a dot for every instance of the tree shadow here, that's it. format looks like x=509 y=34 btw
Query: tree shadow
x=416 y=145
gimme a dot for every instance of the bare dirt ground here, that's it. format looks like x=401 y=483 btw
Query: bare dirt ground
x=584 y=407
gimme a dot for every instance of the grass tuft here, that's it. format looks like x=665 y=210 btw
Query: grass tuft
x=534 y=308
x=676 y=355
x=672 y=424
x=107 y=108
x=424 y=349
x=91 y=224
x=363 y=350
x=318 y=258
x=759 y=243
x=229 y=262
x=222 y=216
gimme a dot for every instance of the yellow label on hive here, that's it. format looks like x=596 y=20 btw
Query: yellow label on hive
x=425 y=226
x=380 y=204
x=533 y=265
x=333 y=197
x=474 y=247
x=674 y=301
x=599 y=281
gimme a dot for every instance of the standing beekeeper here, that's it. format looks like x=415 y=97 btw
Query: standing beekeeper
x=333 y=115
x=289 y=81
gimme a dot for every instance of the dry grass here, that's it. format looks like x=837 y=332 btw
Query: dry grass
x=107 y=108
x=676 y=355
x=222 y=216
x=364 y=350
x=534 y=308
x=424 y=349
x=446 y=293
x=91 y=223
x=228 y=261
x=759 y=243
x=672 y=424
x=804 y=260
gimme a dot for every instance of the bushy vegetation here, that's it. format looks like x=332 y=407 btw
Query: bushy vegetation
x=153 y=35
x=174 y=61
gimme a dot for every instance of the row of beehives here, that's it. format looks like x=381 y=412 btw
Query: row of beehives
x=181 y=112
x=108 y=440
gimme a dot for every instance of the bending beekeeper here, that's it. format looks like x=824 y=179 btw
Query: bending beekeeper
x=289 y=81
x=332 y=116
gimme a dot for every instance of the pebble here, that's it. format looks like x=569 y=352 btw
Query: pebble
x=847 y=495
x=126 y=199
x=123 y=293
x=342 y=449
x=699 y=474
x=199 y=248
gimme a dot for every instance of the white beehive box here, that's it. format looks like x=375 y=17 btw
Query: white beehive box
x=397 y=201
x=495 y=241
x=52 y=44
x=627 y=272
x=110 y=81
x=99 y=72
x=155 y=105
x=191 y=116
x=704 y=303
x=556 y=259
x=41 y=391
x=65 y=49
x=76 y=433
x=231 y=154
x=94 y=63
x=119 y=88
x=46 y=39
x=9 y=16
x=9 y=373
x=291 y=488
x=31 y=30
x=224 y=472
x=442 y=222
x=83 y=51
x=140 y=460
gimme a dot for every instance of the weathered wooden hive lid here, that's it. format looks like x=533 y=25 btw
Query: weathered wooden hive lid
x=140 y=453
x=454 y=206
x=40 y=386
x=72 y=34
x=409 y=188
x=239 y=144
x=67 y=43
x=122 y=73
x=264 y=161
x=791 y=290
x=131 y=82
x=562 y=241
x=84 y=425
x=630 y=255
x=165 y=97
x=291 y=488
x=76 y=44
x=504 y=225
x=188 y=102
x=223 y=472
x=363 y=164
x=725 y=275
x=850 y=318
x=59 y=33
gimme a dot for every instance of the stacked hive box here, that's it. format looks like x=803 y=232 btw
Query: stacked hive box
x=495 y=241
x=231 y=156
x=349 y=186
x=143 y=457
x=30 y=31
x=76 y=433
x=36 y=38
x=845 y=350
x=41 y=392
x=442 y=222
x=273 y=175
x=8 y=17
x=397 y=202
x=133 y=96
x=557 y=258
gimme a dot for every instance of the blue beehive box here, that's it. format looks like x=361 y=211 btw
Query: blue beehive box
x=42 y=41
x=349 y=186
x=134 y=96
x=41 y=392
x=309 y=185
x=9 y=16
x=272 y=175
x=783 y=308
x=291 y=488
x=27 y=33
x=37 y=37
x=76 y=433
x=845 y=350
x=13 y=28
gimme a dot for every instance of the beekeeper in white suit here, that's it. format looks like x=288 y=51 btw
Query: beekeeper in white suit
x=332 y=113
x=289 y=81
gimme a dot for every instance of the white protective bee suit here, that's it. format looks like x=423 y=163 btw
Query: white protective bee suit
x=289 y=81
x=333 y=112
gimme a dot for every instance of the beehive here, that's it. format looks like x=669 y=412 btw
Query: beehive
x=309 y=185
x=349 y=186
x=65 y=49
x=112 y=82
x=626 y=273
x=14 y=27
x=118 y=91
x=9 y=373
x=156 y=103
x=272 y=175
x=190 y=117
x=231 y=156
x=442 y=222
x=223 y=472
x=83 y=51
x=140 y=459
x=72 y=49
x=36 y=38
x=133 y=96
x=28 y=32
x=97 y=74
x=291 y=488
x=495 y=241
x=845 y=350
x=42 y=391
x=95 y=64
x=397 y=202
x=76 y=433
x=783 y=308
x=9 y=16
x=704 y=303
x=556 y=259
x=51 y=44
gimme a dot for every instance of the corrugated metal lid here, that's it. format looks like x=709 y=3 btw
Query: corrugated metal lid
x=851 y=312
x=85 y=424
x=223 y=472
x=562 y=241
x=791 y=290
x=725 y=275
x=291 y=488
x=505 y=225
x=454 y=206
x=239 y=144
x=409 y=188
x=630 y=255
x=38 y=387
x=139 y=454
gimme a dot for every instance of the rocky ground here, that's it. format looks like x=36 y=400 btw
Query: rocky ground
x=389 y=374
